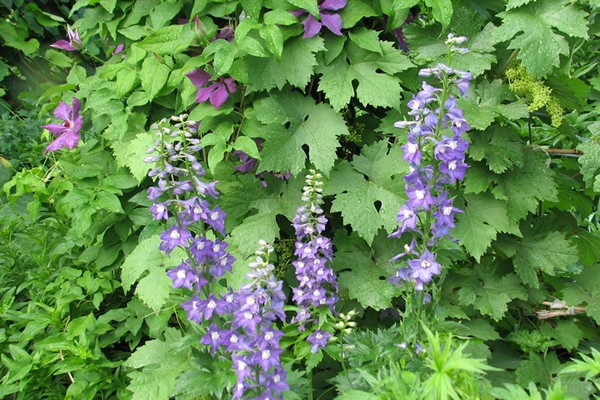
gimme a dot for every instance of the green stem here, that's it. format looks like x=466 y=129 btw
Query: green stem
x=310 y=389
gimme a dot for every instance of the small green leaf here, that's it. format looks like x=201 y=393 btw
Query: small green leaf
x=247 y=145
x=169 y=40
x=281 y=17
x=308 y=5
x=366 y=39
x=108 y=201
x=154 y=76
x=273 y=38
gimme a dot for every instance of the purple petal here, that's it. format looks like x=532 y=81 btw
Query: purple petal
x=230 y=83
x=219 y=96
x=68 y=140
x=56 y=129
x=63 y=111
x=333 y=22
x=333 y=5
x=297 y=13
x=63 y=45
x=199 y=77
x=203 y=94
x=311 y=27
x=76 y=108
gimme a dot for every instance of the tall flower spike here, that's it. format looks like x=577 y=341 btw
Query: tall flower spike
x=251 y=336
x=68 y=131
x=437 y=123
x=317 y=282
x=182 y=195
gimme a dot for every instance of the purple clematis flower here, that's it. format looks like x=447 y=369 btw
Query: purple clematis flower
x=331 y=20
x=68 y=131
x=73 y=44
x=217 y=92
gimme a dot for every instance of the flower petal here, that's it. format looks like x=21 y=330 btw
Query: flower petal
x=63 y=45
x=219 y=96
x=56 y=129
x=63 y=111
x=69 y=140
x=333 y=5
x=297 y=13
x=199 y=77
x=203 y=94
x=230 y=83
x=333 y=22
x=311 y=27
x=76 y=108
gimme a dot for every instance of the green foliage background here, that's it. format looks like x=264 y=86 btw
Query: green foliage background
x=86 y=309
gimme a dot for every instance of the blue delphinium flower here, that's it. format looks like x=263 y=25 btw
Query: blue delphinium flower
x=250 y=335
x=317 y=282
x=437 y=124
x=181 y=195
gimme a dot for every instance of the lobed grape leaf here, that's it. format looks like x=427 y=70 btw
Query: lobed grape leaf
x=480 y=223
x=531 y=29
x=363 y=271
x=372 y=177
x=295 y=66
x=500 y=147
x=482 y=108
x=380 y=89
x=489 y=290
x=547 y=251
x=583 y=291
x=291 y=122
x=590 y=164
x=523 y=187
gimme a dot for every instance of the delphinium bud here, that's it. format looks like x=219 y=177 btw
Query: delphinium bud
x=181 y=197
x=435 y=150
x=317 y=286
x=250 y=334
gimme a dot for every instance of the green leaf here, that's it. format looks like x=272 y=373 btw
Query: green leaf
x=108 y=201
x=363 y=271
x=16 y=37
x=486 y=105
x=522 y=187
x=500 y=147
x=366 y=39
x=489 y=290
x=154 y=76
x=369 y=191
x=153 y=288
x=264 y=205
x=531 y=29
x=126 y=80
x=164 y=12
x=252 y=7
x=314 y=125
x=224 y=54
x=248 y=146
x=295 y=67
x=588 y=244
x=355 y=11
x=132 y=154
x=590 y=164
x=308 y=5
x=273 y=38
x=568 y=334
x=169 y=40
x=441 y=10
x=478 y=226
x=583 y=291
x=281 y=17
x=546 y=251
x=380 y=89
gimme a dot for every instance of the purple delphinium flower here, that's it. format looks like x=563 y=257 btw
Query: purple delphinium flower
x=328 y=17
x=73 y=44
x=318 y=339
x=439 y=124
x=250 y=334
x=317 y=285
x=68 y=131
x=180 y=177
x=217 y=92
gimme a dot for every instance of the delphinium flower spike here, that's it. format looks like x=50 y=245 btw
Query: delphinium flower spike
x=435 y=150
x=317 y=287
x=182 y=197
x=250 y=335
